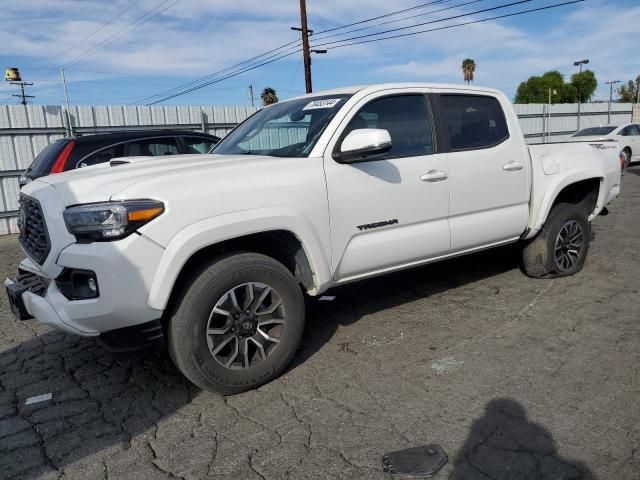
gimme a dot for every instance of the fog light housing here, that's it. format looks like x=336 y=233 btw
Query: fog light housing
x=77 y=284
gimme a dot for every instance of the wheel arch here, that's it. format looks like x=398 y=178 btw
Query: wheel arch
x=293 y=242
x=581 y=189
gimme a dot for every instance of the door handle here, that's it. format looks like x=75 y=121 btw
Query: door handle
x=434 y=176
x=512 y=166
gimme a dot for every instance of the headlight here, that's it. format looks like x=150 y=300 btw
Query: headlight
x=110 y=220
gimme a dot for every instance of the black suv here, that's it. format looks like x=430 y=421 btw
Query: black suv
x=70 y=153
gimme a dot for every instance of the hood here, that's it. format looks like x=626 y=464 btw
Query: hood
x=104 y=181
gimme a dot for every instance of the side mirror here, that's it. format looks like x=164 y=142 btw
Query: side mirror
x=363 y=143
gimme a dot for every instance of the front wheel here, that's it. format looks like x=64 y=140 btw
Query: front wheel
x=238 y=325
x=560 y=249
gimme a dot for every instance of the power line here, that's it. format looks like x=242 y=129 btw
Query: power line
x=100 y=28
x=234 y=74
x=498 y=7
x=458 y=24
x=122 y=32
x=336 y=44
x=117 y=35
x=386 y=15
x=398 y=20
x=109 y=22
x=295 y=43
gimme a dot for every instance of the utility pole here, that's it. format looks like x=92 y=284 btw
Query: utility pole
x=23 y=95
x=575 y=64
x=253 y=101
x=306 y=54
x=66 y=100
x=611 y=84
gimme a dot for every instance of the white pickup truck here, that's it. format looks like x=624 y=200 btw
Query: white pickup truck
x=213 y=253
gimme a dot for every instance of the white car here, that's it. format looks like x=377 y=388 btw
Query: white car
x=214 y=252
x=627 y=136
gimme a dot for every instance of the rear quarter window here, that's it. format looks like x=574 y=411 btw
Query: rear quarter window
x=473 y=121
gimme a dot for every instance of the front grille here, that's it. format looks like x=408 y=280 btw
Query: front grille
x=34 y=237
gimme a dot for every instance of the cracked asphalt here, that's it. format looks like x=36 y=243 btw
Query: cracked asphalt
x=515 y=378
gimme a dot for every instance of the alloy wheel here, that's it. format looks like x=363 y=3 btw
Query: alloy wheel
x=245 y=326
x=568 y=246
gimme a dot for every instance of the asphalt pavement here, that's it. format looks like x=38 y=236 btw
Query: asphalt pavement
x=515 y=378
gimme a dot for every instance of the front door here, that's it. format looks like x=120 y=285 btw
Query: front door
x=390 y=210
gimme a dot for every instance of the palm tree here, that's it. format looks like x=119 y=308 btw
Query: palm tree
x=268 y=96
x=468 y=68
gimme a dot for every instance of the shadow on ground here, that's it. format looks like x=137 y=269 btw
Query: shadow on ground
x=505 y=445
x=101 y=399
x=366 y=297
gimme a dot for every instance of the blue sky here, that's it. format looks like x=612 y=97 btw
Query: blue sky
x=193 y=38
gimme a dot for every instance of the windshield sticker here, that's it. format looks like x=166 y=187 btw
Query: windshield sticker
x=326 y=103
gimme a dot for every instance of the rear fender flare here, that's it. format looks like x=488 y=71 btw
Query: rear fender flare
x=554 y=187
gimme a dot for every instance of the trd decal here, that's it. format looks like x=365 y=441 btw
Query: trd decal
x=385 y=223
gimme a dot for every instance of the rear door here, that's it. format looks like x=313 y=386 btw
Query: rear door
x=490 y=170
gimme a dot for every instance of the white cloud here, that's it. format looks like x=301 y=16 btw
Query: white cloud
x=197 y=37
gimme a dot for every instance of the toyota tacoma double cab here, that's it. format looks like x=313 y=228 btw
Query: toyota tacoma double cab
x=214 y=253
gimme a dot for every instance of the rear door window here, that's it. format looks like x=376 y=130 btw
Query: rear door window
x=198 y=144
x=101 y=156
x=152 y=147
x=473 y=121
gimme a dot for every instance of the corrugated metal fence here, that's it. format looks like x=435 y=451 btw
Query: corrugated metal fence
x=25 y=130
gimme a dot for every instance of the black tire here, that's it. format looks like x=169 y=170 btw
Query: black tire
x=539 y=255
x=189 y=342
x=627 y=158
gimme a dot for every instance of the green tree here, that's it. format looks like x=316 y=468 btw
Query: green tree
x=585 y=84
x=629 y=92
x=536 y=88
x=269 y=96
x=468 y=69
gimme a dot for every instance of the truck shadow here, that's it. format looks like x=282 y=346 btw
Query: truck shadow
x=354 y=301
x=504 y=443
x=101 y=399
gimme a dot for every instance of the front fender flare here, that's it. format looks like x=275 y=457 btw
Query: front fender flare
x=234 y=225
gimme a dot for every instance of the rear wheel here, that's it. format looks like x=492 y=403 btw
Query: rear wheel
x=626 y=157
x=238 y=324
x=561 y=247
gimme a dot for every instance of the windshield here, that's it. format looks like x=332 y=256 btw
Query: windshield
x=287 y=129
x=594 y=131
